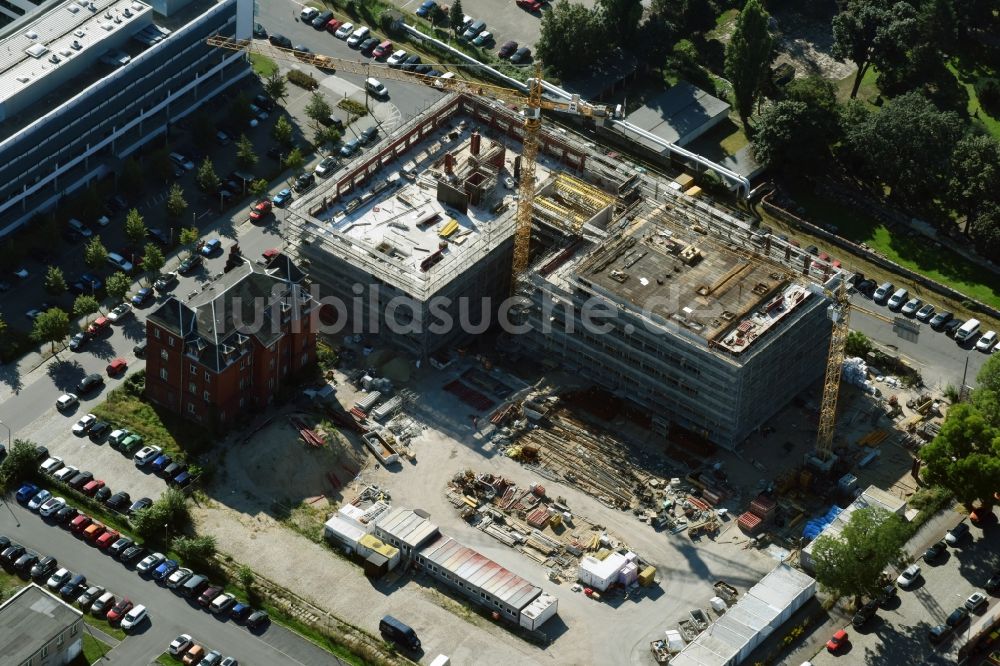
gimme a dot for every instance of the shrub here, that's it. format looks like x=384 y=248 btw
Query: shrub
x=988 y=91
x=302 y=79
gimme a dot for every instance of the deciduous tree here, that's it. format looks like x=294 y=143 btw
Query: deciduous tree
x=867 y=30
x=95 y=254
x=188 y=237
x=965 y=456
x=852 y=563
x=258 y=188
x=789 y=136
x=246 y=155
x=20 y=464
x=117 y=285
x=135 y=227
x=748 y=57
x=55 y=281
x=572 y=38
x=318 y=109
x=207 y=179
x=294 y=160
x=975 y=172
x=198 y=549
x=276 y=87
x=282 y=131
x=152 y=259
x=621 y=20
x=691 y=17
x=176 y=203
x=84 y=306
x=51 y=326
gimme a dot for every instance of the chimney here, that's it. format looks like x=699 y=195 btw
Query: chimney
x=474 y=148
x=449 y=163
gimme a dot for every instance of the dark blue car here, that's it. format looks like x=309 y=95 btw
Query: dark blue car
x=426 y=8
x=181 y=479
x=26 y=492
x=142 y=297
x=161 y=461
x=164 y=570
x=240 y=612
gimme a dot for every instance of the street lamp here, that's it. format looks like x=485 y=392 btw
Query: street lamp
x=8 y=434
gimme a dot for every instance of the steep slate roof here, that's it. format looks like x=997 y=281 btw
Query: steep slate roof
x=244 y=302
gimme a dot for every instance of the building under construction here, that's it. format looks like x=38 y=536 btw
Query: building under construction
x=710 y=325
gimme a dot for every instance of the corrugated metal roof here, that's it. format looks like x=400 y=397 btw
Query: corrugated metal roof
x=406 y=526
x=480 y=572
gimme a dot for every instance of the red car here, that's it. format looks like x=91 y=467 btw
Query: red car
x=100 y=324
x=261 y=209
x=382 y=50
x=838 y=641
x=530 y=5
x=332 y=26
x=120 y=610
x=117 y=367
x=105 y=540
x=80 y=523
x=92 y=487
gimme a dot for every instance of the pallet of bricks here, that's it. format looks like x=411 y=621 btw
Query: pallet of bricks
x=758 y=516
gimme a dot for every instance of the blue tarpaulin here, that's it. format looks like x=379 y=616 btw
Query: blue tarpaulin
x=816 y=525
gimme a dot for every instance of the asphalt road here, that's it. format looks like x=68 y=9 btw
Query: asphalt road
x=170 y=615
x=940 y=359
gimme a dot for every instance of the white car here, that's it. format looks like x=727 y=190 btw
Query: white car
x=221 y=602
x=180 y=645
x=66 y=473
x=327 y=166
x=986 y=342
x=344 y=31
x=134 y=617
x=975 y=601
x=358 y=36
x=146 y=455
x=150 y=562
x=447 y=76
x=912 y=306
x=396 y=58
x=909 y=576
x=119 y=312
x=66 y=401
x=51 y=465
x=59 y=578
x=179 y=577
x=81 y=427
x=308 y=14
x=38 y=500
x=50 y=507
x=120 y=262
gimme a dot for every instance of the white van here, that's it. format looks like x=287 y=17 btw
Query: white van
x=376 y=87
x=967 y=330
x=898 y=299
x=358 y=36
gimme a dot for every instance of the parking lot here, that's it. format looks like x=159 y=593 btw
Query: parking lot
x=898 y=632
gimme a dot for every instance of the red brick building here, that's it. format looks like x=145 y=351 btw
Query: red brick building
x=227 y=351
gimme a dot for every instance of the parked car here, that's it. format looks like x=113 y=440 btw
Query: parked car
x=425 y=8
x=178 y=577
x=925 y=313
x=180 y=645
x=78 y=340
x=282 y=197
x=976 y=601
x=118 y=612
x=935 y=551
x=120 y=546
x=104 y=603
x=344 y=31
x=194 y=656
x=939 y=320
x=986 y=341
x=150 y=562
x=119 y=312
x=956 y=533
x=864 y=614
x=164 y=569
x=133 y=618
x=957 y=617
x=139 y=504
x=909 y=576
x=58 y=579
x=83 y=426
x=304 y=182
x=52 y=506
x=146 y=455
x=119 y=262
x=396 y=59
x=209 y=595
x=911 y=306
x=240 y=612
x=26 y=492
x=90 y=596
x=40 y=498
x=883 y=292
x=99 y=430
x=94 y=530
x=211 y=247
x=73 y=587
x=261 y=210
x=938 y=633
x=190 y=263
x=44 y=568
x=257 y=620
x=368 y=135
x=521 y=55
x=105 y=541
x=222 y=604
x=349 y=148
x=66 y=402
x=65 y=515
x=91 y=382
x=327 y=166
x=142 y=297
x=280 y=41
x=837 y=641
x=80 y=480
x=51 y=465
x=131 y=554
x=117 y=367
x=384 y=49
x=165 y=282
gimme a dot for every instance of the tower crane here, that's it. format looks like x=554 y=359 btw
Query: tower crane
x=532 y=104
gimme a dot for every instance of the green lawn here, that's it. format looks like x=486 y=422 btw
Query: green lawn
x=868 y=92
x=93 y=649
x=976 y=112
x=914 y=252
x=263 y=65
x=155 y=425
x=104 y=626
x=166 y=660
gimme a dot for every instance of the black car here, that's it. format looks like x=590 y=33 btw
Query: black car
x=192 y=262
x=119 y=501
x=120 y=546
x=423 y=68
x=520 y=55
x=935 y=551
x=993 y=584
x=172 y=470
x=159 y=236
x=866 y=287
x=44 y=568
x=139 y=349
x=41 y=453
x=957 y=617
x=259 y=32
x=11 y=554
x=889 y=592
x=25 y=562
x=939 y=320
x=304 y=182
x=102 y=494
x=99 y=431
x=367 y=46
x=864 y=614
x=368 y=135
x=80 y=480
x=141 y=503
x=410 y=62
x=65 y=515
x=4 y=543
x=133 y=554
x=257 y=620
x=91 y=382
x=952 y=326
x=280 y=41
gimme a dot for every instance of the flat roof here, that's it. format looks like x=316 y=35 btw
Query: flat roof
x=665 y=266
x=406 y=526
x=31 y=618
x=676 y=113
x=480 y=572
x=62 y=33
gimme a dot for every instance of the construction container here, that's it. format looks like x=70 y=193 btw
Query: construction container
x=647 y=576
x=387 y=408
x=685 y=181
x=601 y=574
x=763 y=507
x=538 y=611
x=368 y=402
x=629 y=574
x=538 y=518
x=693 y=191
x=381 y=448
x=750 y=523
